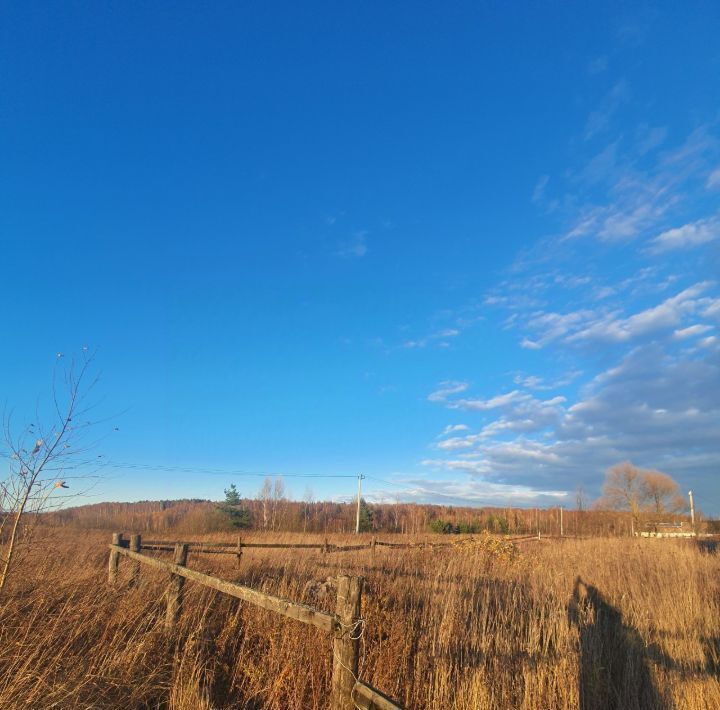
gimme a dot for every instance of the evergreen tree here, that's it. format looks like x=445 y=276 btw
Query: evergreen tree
x=237 y=515
x=366 y=516
x=232 y=497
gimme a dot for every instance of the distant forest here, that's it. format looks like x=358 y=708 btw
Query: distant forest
x=281 y=515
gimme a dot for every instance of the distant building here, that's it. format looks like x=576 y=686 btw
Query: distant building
x=672 y=529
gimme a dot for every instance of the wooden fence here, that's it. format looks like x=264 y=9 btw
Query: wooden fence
x=236 y=548
x=348 y=692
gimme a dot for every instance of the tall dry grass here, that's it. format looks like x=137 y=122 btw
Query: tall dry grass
x=590 y=623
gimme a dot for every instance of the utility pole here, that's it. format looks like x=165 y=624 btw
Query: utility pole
x=357 y=516
x=692 y=510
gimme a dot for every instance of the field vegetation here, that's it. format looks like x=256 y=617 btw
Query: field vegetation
x=589 y=623
x=187 y=517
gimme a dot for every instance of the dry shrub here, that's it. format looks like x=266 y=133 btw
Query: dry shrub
x=590 y=623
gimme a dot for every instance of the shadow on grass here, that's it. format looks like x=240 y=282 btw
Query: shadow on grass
x=615 y=671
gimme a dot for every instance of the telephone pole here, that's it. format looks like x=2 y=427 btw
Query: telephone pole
x=357 y=516
x=692 y=510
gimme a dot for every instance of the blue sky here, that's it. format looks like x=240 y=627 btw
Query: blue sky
x=471 y=251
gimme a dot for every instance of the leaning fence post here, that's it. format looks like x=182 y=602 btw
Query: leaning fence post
x=346 y=644
x=175 y=588
x=135 y=546
x=114 y=559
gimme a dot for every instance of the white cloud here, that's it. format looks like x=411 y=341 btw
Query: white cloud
x=711 y=308
x=653 y=407
x=599 y=120
x=451 y=428
x=499 y=401
x=689 y=235
x=650 y=138
x=713 y=180
x=475 y=492
x=658 y=404
x=638 y=199
x=529 y=381
x=522 y=413
x=355 y=247
x=611 y=325
x=598 y=65
x=691 y=331
x=458 y=442
x=446 y=389
x=666 y=315
x=533 y=382
x=538 y=194
x=440 y=338
x=552 y=326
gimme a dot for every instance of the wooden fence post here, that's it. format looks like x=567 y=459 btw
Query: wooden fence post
x=239 y=551
x=114 y=559
x=175 y=588
x=346 y=644
x=135 y=546
x=372 y=545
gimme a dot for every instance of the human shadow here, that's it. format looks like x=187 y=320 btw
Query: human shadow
x=615 y=671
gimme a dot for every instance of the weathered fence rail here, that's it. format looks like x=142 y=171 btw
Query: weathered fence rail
x=348 y=692
x=235 y=548
x=366 y=697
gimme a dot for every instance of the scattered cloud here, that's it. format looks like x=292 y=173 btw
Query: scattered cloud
x=447 y=389
x=598 y=65
x=538 y=194
x=451 y=428
x=689 y=235
x=656 y=408
x=497 y=402
x=599 y=120
x=355 y=247
x=643 y=186
x=607 y=294
x=533 y=382
x=609 y=324
x=667 y=314
x=470 y=491
x=713 y=180
x=649 y=138
x=440 y=338
x=691 y=331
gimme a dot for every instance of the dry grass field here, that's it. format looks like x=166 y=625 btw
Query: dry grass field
x=593 y=624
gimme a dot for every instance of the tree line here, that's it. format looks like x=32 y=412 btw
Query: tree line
x=633 y=499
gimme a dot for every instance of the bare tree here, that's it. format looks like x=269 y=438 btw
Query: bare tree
x=308 y=500
x=581 y=504
x=580 y=499
x=264 y=495
x=661 y=493
x=40 y=457
x=628 y=487
x=278 y=499
x=623 y=488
